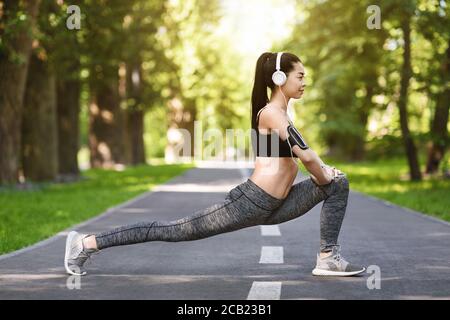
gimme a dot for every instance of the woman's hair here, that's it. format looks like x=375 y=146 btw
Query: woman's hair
x=265 y=67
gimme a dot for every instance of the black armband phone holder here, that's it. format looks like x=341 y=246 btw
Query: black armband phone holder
x=296 y=138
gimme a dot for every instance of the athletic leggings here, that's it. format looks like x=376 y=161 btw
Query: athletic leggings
x=244 y=206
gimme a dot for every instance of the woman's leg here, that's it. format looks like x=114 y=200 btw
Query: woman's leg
x=244 y=206
x=305 y=195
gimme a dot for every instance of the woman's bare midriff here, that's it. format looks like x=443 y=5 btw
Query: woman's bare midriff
x=274 y=175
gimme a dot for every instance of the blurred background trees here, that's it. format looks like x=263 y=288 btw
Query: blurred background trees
x=373 y=89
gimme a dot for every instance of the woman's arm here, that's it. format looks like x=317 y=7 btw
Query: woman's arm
x=320 y=172
x=277 y=120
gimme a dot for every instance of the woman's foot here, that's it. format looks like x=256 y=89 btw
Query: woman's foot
x=77 y=253
x=335 y=265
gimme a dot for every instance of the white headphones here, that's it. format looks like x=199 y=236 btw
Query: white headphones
x=279 y=77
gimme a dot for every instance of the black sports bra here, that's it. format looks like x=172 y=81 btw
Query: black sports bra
x=264 y=143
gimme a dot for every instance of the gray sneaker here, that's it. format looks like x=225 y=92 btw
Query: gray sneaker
x=335 y=265
x=76 y=255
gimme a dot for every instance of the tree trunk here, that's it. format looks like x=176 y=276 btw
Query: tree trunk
x=68 y=109
x=39 y=129
x=406 y=72
x=439 y=132
x=363 y=115
x=106 y=125
x=12 y=87
x=135 y=128
x=135 y=115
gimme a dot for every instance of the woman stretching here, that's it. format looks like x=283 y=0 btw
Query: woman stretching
x=268 y=197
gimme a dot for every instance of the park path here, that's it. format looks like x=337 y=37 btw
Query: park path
x=411 y=252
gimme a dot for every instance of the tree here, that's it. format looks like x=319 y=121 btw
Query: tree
x=438 y=130
x=104 y=42
x=186 y=27
x=344 y=58
x=433 y=25
x=406 y=73
x=67 y=50
x=18 y=20
x=39 y=132
x=39 y=126
x=138 y=94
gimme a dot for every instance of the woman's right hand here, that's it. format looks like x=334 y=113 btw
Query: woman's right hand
x=330 y=174
x=332 y=171
x=329 y=179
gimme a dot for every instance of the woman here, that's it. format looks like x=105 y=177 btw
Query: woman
x=267 y=197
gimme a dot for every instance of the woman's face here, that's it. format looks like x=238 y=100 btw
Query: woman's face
x=295 y=84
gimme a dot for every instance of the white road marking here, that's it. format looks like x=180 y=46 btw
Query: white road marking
x=262 y=290
x=135 y=210
x=270 y=231
x=271 y=255
x=192 y=187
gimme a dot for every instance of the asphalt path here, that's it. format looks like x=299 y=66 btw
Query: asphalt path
x=406 y=252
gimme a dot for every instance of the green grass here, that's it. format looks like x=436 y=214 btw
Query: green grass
x=28 y=216
x=387 y=179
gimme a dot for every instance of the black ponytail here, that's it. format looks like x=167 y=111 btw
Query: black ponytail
x=259 y=92
x=265 y=67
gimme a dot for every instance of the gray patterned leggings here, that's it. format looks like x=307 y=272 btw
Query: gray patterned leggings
x=245 y=205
